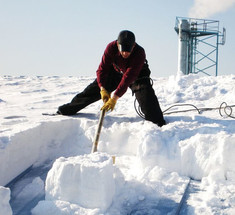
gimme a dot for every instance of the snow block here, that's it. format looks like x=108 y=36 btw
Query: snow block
x=84 y=180
x=5 y=208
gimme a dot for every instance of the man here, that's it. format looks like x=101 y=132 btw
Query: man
x=123 y=65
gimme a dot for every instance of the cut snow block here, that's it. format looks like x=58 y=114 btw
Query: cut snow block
x=84 y=180
x=5 y=208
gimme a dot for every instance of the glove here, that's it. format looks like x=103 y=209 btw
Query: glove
x=109 y=105
x=105 y=95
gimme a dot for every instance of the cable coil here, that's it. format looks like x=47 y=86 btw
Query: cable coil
x=225 y=110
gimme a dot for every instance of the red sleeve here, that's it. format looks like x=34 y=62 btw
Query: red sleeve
x=106 y=63
x=136 y=63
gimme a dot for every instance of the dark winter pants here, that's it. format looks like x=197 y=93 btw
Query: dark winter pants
x=142 y=89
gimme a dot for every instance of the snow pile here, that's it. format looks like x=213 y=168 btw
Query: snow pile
x=153 y=165
x=84 y=180
x=5 y=208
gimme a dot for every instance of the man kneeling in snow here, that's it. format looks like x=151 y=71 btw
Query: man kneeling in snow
x=123 y=65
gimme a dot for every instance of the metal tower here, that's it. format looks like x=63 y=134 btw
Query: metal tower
x=198 y=45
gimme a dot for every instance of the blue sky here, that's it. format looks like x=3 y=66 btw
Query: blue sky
x=68 y=37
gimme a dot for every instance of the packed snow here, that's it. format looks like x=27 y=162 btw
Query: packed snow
x=5 y=207
x=139 y=168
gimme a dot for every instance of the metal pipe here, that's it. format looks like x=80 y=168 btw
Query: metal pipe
x=183 y=51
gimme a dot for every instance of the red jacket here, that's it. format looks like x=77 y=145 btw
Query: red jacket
x=130 y=67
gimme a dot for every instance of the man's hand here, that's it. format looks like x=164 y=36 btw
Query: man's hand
x=105 y=95
x=109 y=105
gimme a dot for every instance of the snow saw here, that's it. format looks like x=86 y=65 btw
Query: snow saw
x=97 y=136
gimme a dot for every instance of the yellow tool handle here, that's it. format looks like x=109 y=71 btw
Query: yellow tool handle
x=97 y=136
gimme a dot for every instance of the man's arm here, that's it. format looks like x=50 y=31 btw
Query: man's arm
x=105 y=64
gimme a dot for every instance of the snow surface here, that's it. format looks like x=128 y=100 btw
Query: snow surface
x=153 y=165
x=5 y=208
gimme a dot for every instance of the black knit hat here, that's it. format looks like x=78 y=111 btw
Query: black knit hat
x=126 y=40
